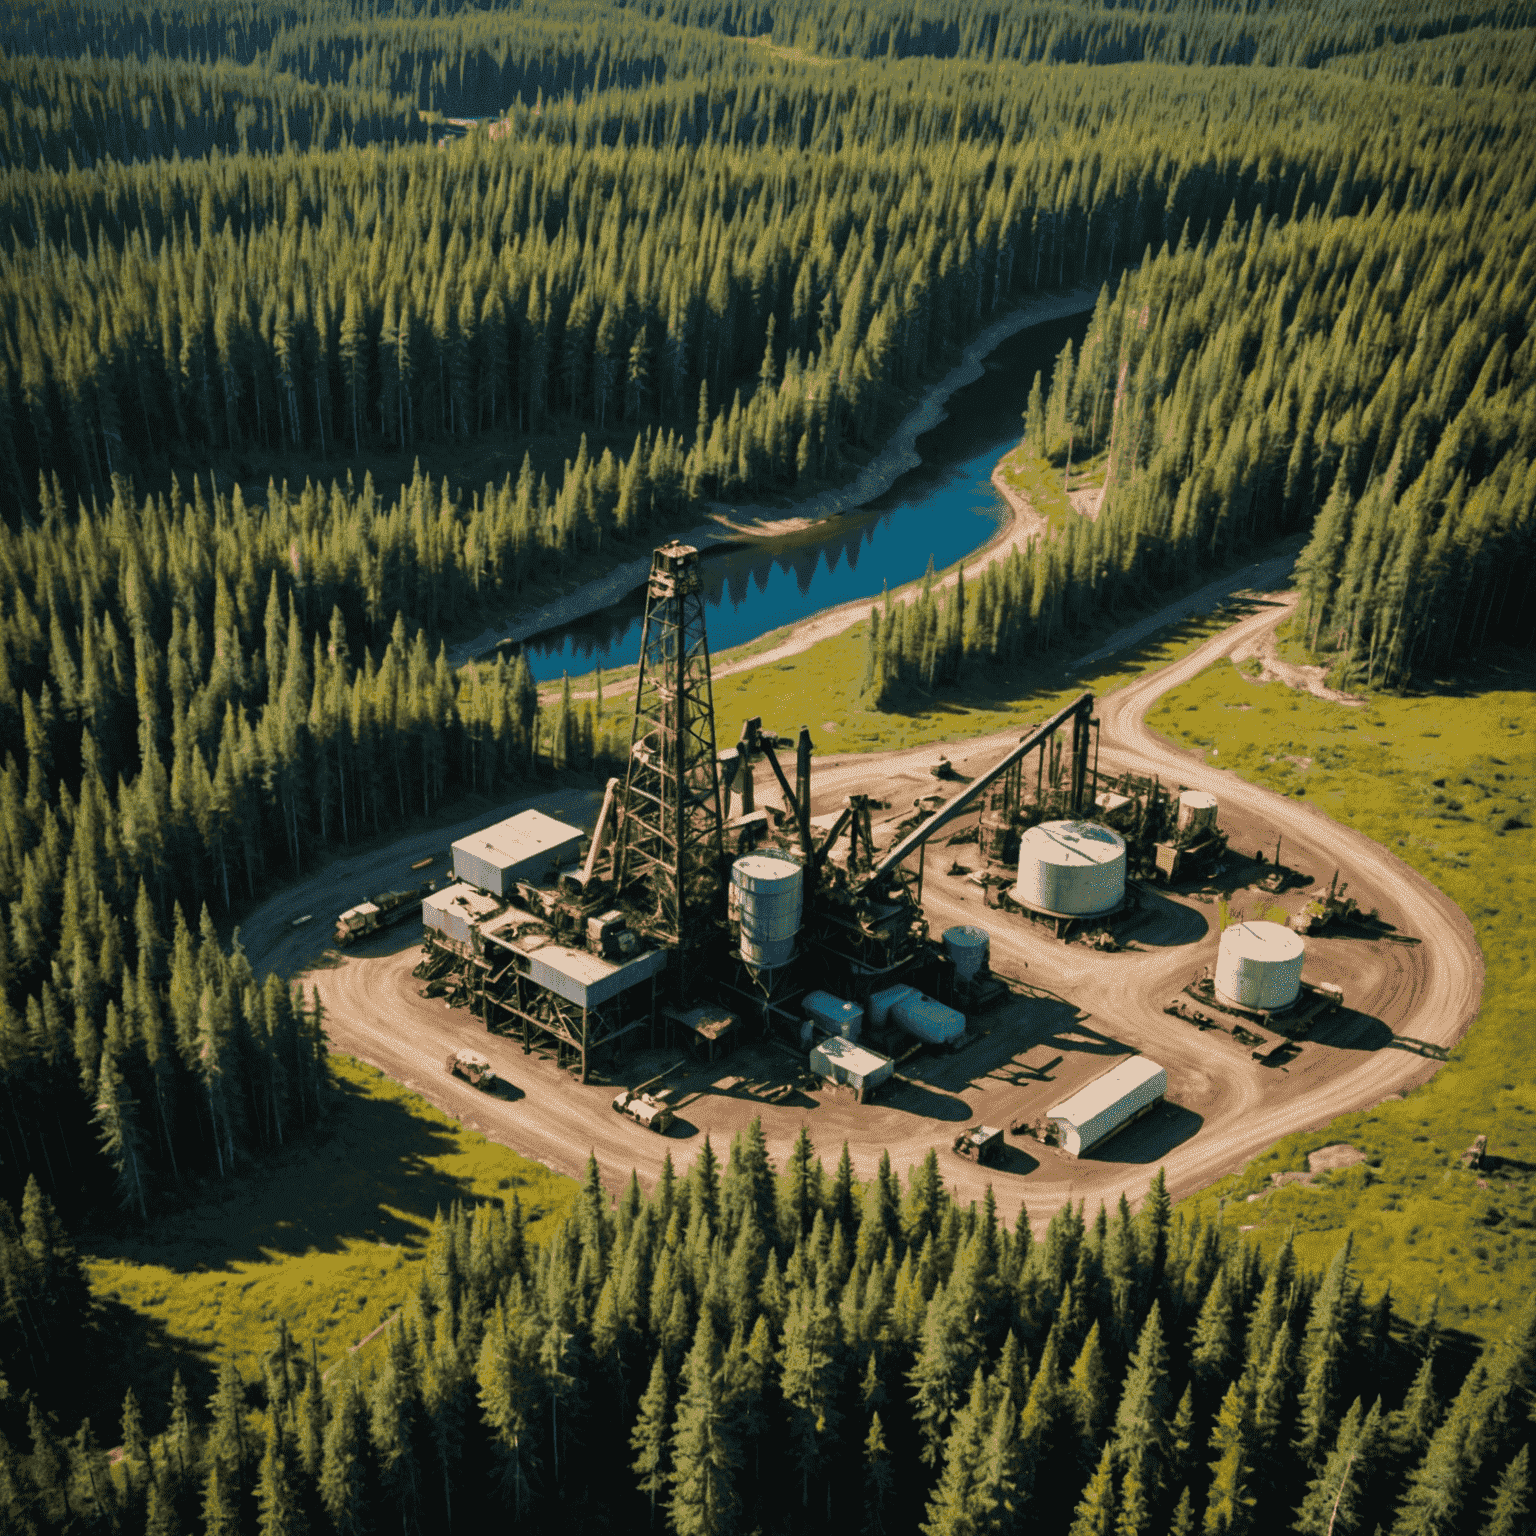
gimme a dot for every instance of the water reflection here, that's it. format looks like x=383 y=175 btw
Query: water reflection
x=945 y=508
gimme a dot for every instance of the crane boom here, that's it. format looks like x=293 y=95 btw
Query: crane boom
x=1079 y=709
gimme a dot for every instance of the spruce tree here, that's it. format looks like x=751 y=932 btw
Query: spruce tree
x=278 y=1506
x=648 y=1438
x=1095 y=1513
x=1510 y=1505
x=1229 y=1506
x=1141 y=1436
x=878 y=1478
x=704 y=1452
x=343 y=1470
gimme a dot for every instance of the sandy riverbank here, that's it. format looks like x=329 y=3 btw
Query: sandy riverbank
x=737 y=525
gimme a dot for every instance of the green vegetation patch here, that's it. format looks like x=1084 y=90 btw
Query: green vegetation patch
x=328 y=1238
x=1447 y=782
x=1041 y=484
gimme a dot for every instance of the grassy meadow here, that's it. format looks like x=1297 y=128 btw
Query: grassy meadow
x=327 y=1238
x=1042 y=482
x=1446 y=779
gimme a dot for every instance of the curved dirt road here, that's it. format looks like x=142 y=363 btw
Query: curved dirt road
x=1082 y=1007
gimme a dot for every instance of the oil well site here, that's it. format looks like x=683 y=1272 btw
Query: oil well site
x=1032 y=953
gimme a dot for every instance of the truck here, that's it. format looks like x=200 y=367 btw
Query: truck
x=648 y=1109
x=380 y=912
x=475 y=1070
x=1332 y=907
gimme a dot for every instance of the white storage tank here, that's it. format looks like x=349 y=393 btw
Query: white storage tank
x=768 y=887
x=968 y=947
x=1259 y=965
x=1197 y=811
x=1127 y=1091
x=834 y=1016
x=881 y=1003
x=928 y=1020
x=1076 y=868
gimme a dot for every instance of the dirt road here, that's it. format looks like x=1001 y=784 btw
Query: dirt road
x=1082 y=1006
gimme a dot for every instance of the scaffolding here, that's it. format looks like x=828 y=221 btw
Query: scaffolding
x=512 y=1002
x=669 y=853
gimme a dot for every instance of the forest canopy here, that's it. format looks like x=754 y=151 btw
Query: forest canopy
x=258 y=260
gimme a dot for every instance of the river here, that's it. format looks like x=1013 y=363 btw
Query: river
x=944 y=509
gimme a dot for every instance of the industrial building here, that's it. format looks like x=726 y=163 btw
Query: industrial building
x=841 y=1061
x=696 y=914
x=1125 y=1093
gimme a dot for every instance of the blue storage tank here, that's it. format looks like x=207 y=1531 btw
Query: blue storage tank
x=929 y=1020
x=833 y=1016
x=881 y=1003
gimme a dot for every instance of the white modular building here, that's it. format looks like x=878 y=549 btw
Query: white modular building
x=529 y=847
x=1126 y=1092
x=456 y=912
x=841 y=1061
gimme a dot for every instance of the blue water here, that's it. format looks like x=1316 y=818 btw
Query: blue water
x=943 y=510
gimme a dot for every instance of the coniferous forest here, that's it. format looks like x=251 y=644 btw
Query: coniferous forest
x=751 y=1351
x=713 y=249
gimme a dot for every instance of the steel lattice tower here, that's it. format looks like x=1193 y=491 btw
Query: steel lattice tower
x=669 y=854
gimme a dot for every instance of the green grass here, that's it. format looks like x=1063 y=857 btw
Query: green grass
x=327 y=1237
x=1041 y=482
x=1436 y=778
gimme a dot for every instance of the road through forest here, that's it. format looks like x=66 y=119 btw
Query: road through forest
x=1223 y=1108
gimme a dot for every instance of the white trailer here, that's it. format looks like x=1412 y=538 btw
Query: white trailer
x=1125 y=1093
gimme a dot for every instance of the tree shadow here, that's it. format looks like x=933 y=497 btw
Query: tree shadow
x=142 y=1351
x=361 y=1174
x=1148 y=1140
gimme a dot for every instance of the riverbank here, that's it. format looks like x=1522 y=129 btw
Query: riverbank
x=1017 y=531
x=730 y=525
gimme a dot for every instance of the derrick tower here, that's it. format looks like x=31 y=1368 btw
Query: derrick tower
x=669 y=854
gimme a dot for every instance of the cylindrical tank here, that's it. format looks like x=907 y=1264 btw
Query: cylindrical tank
x=881 y=1003
x=1073 y=867
x=968 y=947
x=928 y=1020
x=1259 y=965
x=1197 y=811
x=834 y=1015
x=768 y=887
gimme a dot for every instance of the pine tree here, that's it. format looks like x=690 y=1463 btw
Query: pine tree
x=1510 y=1505
x=1228 y=1510
x=343 y=1473
x=878 y=1478
x=648 y=1438
x=280 y=1514
x=1141 y=1435
x=704 y=1453
x=1335 y=1501
x=1095 y=1513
